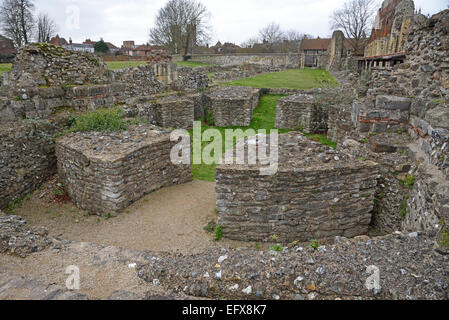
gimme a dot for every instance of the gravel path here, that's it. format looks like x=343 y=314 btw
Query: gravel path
x=169 y=220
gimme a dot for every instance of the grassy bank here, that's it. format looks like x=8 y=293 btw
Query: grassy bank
x=293 y=79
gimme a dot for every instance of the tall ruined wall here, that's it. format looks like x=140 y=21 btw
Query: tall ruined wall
x=391 y=26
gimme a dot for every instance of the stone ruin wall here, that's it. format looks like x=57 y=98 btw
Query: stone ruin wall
x=46 y=80
x=326 y=194
x=413 y=97
x=106 y=173
x=302 y=111
x=27 y=158
x=281 y=60
x=424 y=79
x=231 y=106
x=391 y=27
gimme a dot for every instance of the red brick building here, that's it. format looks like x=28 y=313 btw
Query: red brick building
x=6 y=46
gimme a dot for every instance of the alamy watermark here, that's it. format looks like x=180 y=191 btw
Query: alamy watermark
x=243 y=147
x=73 y=282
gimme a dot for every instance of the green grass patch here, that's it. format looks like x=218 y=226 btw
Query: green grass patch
x=291 y=79
x=5 y=67
x=218 y=234
x=192 y=64
x=115 y=65
x=101 y=120
x=264 y=117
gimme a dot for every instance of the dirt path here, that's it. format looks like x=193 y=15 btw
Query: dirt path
x=169 y=220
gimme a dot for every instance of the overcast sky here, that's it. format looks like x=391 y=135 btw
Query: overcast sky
x=232 y=20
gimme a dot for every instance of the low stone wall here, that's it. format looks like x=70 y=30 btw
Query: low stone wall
x=106 y=173
x=139 y=81
x=175 y=112
x=232 y=106
x=165 y=111
x=389 y=113
x=190 y=79
x=26 y=158
x=301 y=111
x=317 y=193
x=287 y=60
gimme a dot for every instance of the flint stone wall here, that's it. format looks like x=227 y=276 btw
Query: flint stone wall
x=283 y=60
x=232 y=106
x=389 y=113
x=48 y=65
x=190 y=79
x=27 y=158
x=428 y=203
x=106 y=173
x=165 y=111
x=317 y=193
x=301 y=111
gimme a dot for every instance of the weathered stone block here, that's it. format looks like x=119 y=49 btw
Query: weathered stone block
x=175 y=112
x=393 y=103
x=438 y=117
x=316 y=193
x=105 y=173
x=232 y=106
x=298 y=111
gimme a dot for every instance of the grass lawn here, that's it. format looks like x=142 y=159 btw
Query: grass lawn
x=263 y=118
x=192 y=64
x=292 y=79
x=114 y=65
x=5 y=67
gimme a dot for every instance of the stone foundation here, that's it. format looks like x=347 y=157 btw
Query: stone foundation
x=26 y=158
x=390 y=113
x=232 y=106
x=106 y=173
x=317 y=193
x=301 y=111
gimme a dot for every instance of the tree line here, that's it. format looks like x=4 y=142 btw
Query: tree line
x=183 y=24
x=20 y=23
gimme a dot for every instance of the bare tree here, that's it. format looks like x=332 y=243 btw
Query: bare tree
x=46 y=28
x=181 y=25
x=355 y=20
x=272 y=33
x=17 y=20
x=249 y=43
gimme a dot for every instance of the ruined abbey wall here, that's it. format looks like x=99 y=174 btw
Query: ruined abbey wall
x=281 y=60
x=106 y=173
x=393 y=21
x=46 y=80
x=317 y=193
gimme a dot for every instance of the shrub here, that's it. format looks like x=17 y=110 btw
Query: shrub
x=211 y=226
x=219 y=234
x=102 y=120
x=277 y=248
x=315 y=245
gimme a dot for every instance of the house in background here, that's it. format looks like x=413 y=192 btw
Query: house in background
x=112 y=49
x=58 y=41
x=6 y=46
x=314 y=48
x=80 y=47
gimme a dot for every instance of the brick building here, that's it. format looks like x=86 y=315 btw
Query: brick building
x=6 y=46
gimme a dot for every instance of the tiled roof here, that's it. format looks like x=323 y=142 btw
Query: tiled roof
x=315 y=44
